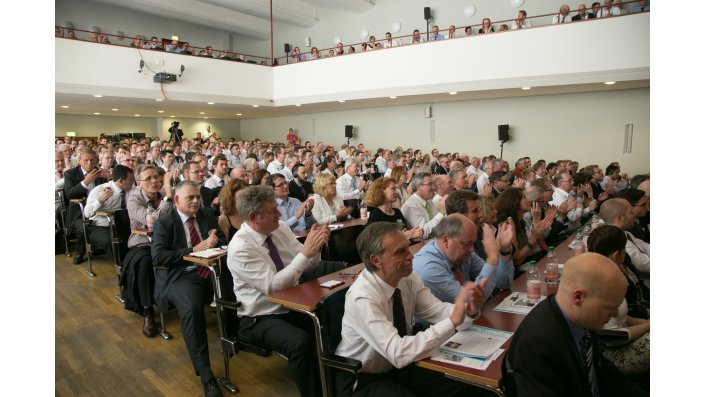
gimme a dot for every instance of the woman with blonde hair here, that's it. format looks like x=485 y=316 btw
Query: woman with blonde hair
x=328 y=207
x=399 y=175
x=380 y=198
x=229 y=220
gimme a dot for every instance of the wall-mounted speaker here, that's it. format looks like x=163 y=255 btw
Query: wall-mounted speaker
x=429 y=112
x=503 y=132
x=427 y=13
x=348 y=131
x=287 y=48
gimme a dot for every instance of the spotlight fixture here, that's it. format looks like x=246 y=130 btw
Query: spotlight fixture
x=141 y=66
x=610 y=82
x=182 y=70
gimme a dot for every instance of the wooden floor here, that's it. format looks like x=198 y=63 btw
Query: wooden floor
x=100 y=349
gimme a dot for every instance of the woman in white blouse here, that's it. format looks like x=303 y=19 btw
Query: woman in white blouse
x=327 y=206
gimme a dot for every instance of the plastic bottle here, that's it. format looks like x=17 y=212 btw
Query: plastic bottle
x=595 y=222
x=552 y=273
x=363 y=210
x=586 y=233
x=533 y=283
x=579 y=247
x=150 y=216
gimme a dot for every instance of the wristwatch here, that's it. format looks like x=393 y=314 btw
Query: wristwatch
x=528 y=244
x=167 y=200
x=511 y=251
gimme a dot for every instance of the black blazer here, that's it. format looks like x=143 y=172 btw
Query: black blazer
x=74 y=190
x=169 y=246
x=297 y=192
x=438 y=170
x=545 y=360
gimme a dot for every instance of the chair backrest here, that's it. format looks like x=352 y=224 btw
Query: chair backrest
x=331 y=310
x=341 y=244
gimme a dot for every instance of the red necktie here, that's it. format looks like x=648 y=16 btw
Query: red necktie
x=61 y=174
x=458 y=275
x=203 y=272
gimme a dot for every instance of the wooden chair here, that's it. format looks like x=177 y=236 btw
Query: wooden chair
x=84 y=229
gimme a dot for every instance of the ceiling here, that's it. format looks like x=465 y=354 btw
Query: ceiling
x=129 y=107
x=249 y=18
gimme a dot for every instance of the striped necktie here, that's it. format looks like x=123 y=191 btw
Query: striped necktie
x=586 y=350
x=203 y=272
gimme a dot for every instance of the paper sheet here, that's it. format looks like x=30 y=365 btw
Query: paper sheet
x=467 y=361
x=476 y=342
x=517 y=303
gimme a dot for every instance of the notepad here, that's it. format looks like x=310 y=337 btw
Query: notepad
x=334 y=226
x=331 y=283
x=209 y=253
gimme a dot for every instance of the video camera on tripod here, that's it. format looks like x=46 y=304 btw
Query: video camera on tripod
x=175 y=132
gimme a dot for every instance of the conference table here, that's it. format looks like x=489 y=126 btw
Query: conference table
x=305 y=298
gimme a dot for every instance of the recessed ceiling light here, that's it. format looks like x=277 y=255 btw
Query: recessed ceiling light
x=97 y=96
x=172 y=116
x=525 y=88
x=65 y=106
x=342 y=101
x=202 y=113
x=160 y=111
x=255 y=106
x=114 y=110
x=452 y=93
x=211 y=103
x=298 y=104
x=239 y=114
x=137 y=115
x=610 y=82
x=158 y=99
x=392 y=97
x=96 y=113
x=205 y=118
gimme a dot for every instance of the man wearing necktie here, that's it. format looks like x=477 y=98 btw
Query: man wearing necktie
x=418 y=210
x=191 y=228
x=562 y=15
x=379 y=310
x=264 y=256
x=554 y=351
x=107 y=197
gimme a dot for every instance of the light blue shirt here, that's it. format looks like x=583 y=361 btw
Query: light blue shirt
x=435 y=37
x=288 y=214
x=436 y=271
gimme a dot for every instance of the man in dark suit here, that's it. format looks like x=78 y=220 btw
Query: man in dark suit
x=78 y=182
x=190 y=228
x=192 y=171
x=442 y=167
x=582 y=14
x=554 y=351
x=300 y=187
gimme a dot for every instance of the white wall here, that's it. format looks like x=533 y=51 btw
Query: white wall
x=96 y=125
x=587 y=127
x=108 y=18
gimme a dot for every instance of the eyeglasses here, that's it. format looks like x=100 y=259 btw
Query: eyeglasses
x=281 y=185
x=154 y=178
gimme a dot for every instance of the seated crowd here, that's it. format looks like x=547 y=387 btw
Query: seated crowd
x=481 y=219
x=564 y=15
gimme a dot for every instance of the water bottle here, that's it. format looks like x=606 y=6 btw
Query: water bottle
x=150 y=216
x=586 y=233
x=579 y=247
x=595 y=222
x=552 y=273
x=363 y=210
x=533 y=283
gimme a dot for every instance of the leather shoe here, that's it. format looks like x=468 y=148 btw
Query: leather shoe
x=149 y=329
x=211 y=389
x=78 y=259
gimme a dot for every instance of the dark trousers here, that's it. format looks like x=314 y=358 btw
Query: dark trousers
x=287 y=334
x=98 y=236
x=189 y=294
x=144 y=281
x=407 y=382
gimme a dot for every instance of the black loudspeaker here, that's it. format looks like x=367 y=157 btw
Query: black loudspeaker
x=427 y=13
x=287 y=48
x=348 y=131
x=503 y=132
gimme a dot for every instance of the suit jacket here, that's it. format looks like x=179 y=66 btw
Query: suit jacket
x=438 y=170
x=169 y=246
x=545 y=360
x=297 y=192
x=74 y=190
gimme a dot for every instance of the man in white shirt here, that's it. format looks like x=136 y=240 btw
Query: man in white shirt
x=473 y=167
x=264 y=256
x=379 y=311
x=234 y=156
x=108 y=197
x=618 y=212
x=562 y=16
x=521 y=22
x=277 y=164
x=220 y=173
x=418 y=209
x=389 y=42
x=608 y=10
x=167 y=157
x=441 y=183
x=563 y=191
x=381 y=161
x=349 y=186
x=290 y=163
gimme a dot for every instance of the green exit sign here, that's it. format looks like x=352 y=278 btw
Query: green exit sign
x=70 y=133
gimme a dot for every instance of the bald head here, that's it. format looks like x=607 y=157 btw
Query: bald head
x=592 y=288
x=616 y=212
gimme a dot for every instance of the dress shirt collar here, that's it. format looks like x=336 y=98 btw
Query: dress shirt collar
x=387 y=289
x=561 y=192
x=415 y=197
x=183 y=216
x=257 y=236
x=281 y=202
x=576 y=331
x=216 y=178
